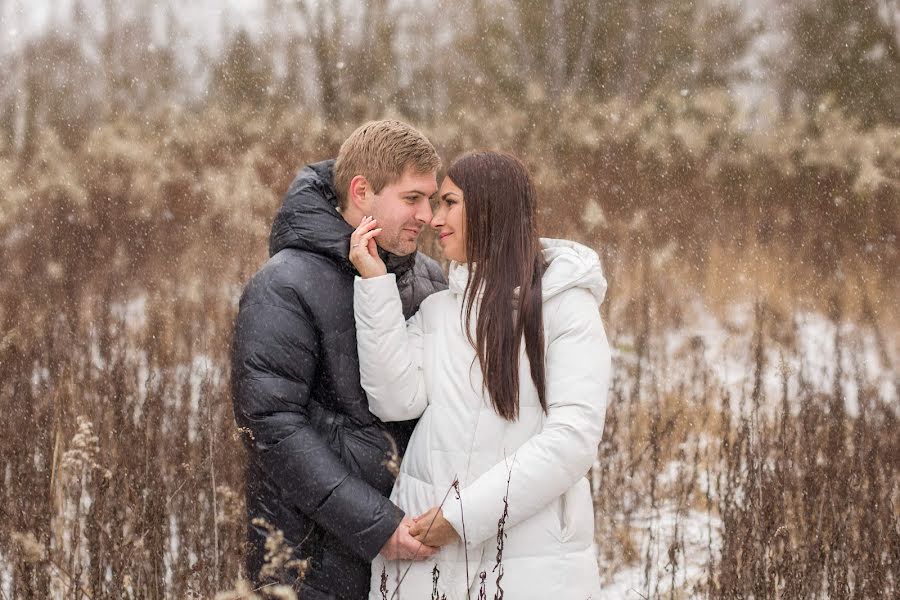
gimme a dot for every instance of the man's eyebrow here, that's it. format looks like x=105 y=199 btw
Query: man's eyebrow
x=419 y=192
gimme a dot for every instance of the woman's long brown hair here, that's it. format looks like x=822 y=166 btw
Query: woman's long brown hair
x=504 y=252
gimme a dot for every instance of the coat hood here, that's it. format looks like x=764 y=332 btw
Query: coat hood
x=309 y=220
x=569 y=265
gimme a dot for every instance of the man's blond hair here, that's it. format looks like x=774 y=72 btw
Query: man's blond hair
x=381 y=151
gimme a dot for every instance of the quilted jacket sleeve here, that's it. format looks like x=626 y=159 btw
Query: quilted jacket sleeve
x=578 y=367
x=274 y=357
x=390 y=350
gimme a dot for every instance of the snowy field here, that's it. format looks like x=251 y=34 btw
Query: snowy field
x=740 y=184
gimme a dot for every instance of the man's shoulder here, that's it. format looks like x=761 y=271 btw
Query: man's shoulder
x=424 y=279
x=429 y=269
x=291 y=273
x=294 y=266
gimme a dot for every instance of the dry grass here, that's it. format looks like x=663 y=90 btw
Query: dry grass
x=801 y=496
x=123 y=259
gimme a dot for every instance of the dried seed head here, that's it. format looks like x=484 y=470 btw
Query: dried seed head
x=83 y=451
x=280 y=592
x=392 y=462
x=279 y=554
x=28 y=547
x=242 y=591
x=231 y=505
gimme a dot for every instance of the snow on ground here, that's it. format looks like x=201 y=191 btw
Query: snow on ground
x=813 y=356
x=727 y=345
x=5 y=577
x=133 y=312
x=698 y=539
x=808 y=354
x=727 y=349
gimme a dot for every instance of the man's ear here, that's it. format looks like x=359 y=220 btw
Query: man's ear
x=358 y=196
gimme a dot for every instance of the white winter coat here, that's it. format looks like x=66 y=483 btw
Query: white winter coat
x=426 y=368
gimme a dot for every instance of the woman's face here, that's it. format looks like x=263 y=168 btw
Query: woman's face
x=450 y=221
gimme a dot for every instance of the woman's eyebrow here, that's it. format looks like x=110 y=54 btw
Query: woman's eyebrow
x=446 y=194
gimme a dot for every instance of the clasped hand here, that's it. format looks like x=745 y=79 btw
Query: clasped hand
x=420 y=538
x=433 y=529
x=402 y=546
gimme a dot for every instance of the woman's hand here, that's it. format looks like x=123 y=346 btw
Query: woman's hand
x=364 y=251
x=433 y=527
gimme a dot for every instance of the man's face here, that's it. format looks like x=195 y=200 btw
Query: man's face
x=402 y=210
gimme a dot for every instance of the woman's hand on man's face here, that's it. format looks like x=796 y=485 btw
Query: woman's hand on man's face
x=433 y=529
x=364 y=251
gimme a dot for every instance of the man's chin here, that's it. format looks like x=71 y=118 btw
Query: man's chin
x=402 y=248
x=406 y=250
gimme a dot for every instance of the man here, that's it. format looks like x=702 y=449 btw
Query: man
x=318 y=460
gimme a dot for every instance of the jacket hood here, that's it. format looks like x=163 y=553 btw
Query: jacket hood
x=569 y=265
x=309 y=220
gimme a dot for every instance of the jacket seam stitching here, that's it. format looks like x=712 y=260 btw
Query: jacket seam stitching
x=304 y=313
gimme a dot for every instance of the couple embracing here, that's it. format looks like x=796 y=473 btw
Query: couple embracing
x=396 y=419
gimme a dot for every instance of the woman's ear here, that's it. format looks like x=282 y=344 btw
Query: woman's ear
x=358 y=196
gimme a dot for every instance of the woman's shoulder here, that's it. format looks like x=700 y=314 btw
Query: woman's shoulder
x=570 y=308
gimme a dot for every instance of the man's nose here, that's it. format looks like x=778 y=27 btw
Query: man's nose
x=423 y=211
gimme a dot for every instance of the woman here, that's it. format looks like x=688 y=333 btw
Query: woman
x=515 y=425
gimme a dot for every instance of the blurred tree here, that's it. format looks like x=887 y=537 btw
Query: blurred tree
x=422 y=85
x=357 y=66
x=324 y=23
x=484 y=62
x=655 y=41
x=673 y=43
x=601 y=48
x=372 y=64
x=139 y=69
x=294 y=81
x=848 y=49
x=7 y=128
x=8 y=105
x=55 y=94
x=108 y=51
x=244 y=75
x=287 y=50
x=721 y=38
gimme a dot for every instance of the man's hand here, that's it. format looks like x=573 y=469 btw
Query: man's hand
x=402 y=546
x=364 y=251
x=434 y=529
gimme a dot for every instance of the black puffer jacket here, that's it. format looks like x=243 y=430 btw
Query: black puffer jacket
x=316 y=455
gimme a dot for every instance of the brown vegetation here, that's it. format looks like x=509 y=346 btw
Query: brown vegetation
x=124 y=259
x=131 y=214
